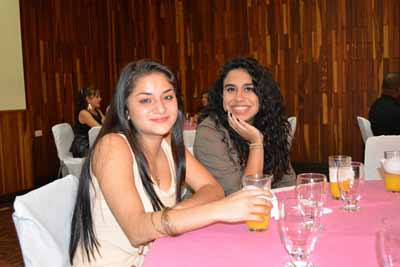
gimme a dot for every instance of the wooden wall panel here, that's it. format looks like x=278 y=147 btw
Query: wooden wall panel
x=329 y=57
x=15 y=152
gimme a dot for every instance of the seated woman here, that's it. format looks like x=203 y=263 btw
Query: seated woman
x=89 y=115
x=246 y=129
x=130 y=187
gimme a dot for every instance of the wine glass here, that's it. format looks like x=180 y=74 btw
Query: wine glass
x=350 y=180
x=297 y=236
x=389 y=237
x=311 y=190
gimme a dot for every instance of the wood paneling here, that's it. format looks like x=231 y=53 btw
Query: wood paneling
x=328 y=56
x=15 y=152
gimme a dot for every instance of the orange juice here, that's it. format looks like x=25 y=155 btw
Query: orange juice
x=392 y=182
x=259 y=226
x=334 y=186
x=334 y=190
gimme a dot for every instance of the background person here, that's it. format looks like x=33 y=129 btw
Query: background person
x=88 y=116
x=384 y=114
x=130 y=187
x=246 y=129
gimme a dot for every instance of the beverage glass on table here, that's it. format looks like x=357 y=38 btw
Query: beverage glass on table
x=391 y=170
x=296 y=234
x=311 y=194
x=350 y=180
x=262 y=182
x=334 y=163
x=389 y=237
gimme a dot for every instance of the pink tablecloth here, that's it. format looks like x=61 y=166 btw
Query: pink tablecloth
x=348 y=239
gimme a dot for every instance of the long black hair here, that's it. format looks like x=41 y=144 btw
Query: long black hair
x=270 y=120
x=116 y=122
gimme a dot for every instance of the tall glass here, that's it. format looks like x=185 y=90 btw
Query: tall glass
x=334 y=163
x=296 y=234
x=262 y=182
x=311 y=194
x=350 y=180
x=391 y=170
x=389 y=237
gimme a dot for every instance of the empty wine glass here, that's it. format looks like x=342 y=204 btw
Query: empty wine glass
x=311 y=190
x=297 y=236
x=389 y=237
x=350 y=180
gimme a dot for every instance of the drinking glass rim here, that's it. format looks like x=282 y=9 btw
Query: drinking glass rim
x=258 y=177
x=312 y=175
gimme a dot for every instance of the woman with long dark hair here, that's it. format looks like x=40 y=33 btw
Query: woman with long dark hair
x=245 y=130
x=130 y=187
x=88 y=115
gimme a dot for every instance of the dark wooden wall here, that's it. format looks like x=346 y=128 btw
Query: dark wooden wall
x=328 y=56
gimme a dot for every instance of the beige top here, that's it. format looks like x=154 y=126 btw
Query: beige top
x=115 y=248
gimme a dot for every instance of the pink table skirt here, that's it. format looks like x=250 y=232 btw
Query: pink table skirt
x=348 y=239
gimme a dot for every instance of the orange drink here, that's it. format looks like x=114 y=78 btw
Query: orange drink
x=392 y=182
x=262 y=182
x=334 y=187
x=334 y=163
x=259 y=226
x=391 y=170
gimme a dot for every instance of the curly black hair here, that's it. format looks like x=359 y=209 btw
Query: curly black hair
x=271 y=119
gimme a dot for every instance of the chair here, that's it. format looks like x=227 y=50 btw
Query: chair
x=42 y=219
x=293 y=124
x=93 y=133
x=374 y=148
x=365 y=128
x=188 y=139
x=63 y=137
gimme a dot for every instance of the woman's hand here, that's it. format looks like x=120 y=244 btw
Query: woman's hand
x=244 y=205
x=247 y=131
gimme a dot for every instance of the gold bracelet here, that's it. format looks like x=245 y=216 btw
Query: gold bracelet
x=256 y=145
x=154 y=225
x=167 y=226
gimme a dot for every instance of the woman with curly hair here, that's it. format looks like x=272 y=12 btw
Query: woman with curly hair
x=246 y=130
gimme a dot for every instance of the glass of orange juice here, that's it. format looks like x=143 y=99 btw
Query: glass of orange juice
x=391 y=170
x=334 y=163
x=350 y=180
x=263 y=182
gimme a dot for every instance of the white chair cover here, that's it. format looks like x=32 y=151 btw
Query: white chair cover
x=63 y=137
x=93 y=133
x=365 y=128
x=374 y=148
x=293 y=124
x=188 y=139
x=42 y=219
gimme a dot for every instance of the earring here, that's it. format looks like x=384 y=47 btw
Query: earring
x=89 y=107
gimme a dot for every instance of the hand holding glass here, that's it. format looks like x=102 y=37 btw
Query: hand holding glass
x=350 y=181
x=262 y=182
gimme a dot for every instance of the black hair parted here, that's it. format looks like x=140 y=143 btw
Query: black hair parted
x=271 y=119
